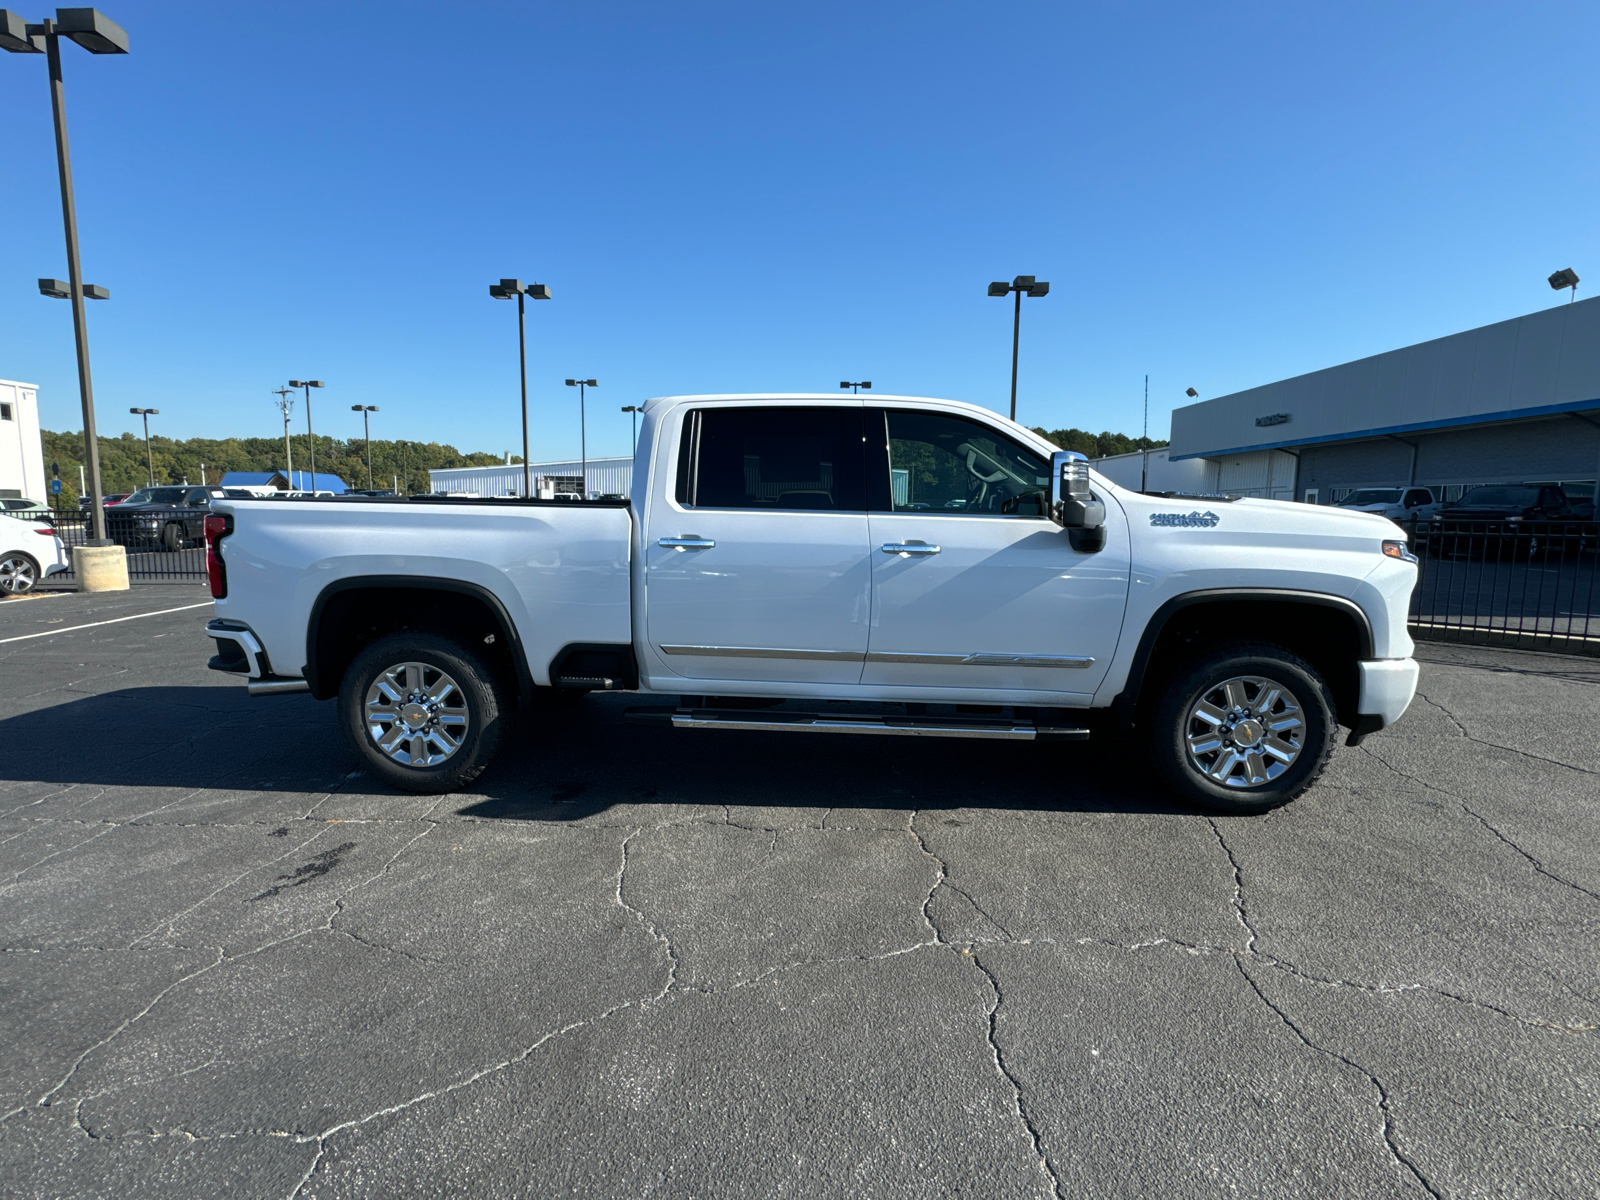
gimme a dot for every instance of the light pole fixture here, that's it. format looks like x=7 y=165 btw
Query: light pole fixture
x=98 y=35
x=149 y=459
x=1565 y=278
x=1021 y=285
x=311 y=437
x=504 y=290
x=583 y=435
x=366 y=411
x=855 y=388
x=1191 y=393
x=635 y=409
x=286 y=406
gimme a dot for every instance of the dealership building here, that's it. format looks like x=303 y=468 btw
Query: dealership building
x=1513 y=402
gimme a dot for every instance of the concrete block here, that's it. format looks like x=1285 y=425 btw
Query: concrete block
x=100 y=568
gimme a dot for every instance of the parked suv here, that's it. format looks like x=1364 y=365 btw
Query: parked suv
x=171 y=517
x=1504 y=519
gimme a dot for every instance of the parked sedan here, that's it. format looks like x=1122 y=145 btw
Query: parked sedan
x=171 y=517
x=29 y=551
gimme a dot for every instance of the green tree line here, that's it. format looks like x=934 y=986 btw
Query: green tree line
x=1098 y=445
x=123 y=466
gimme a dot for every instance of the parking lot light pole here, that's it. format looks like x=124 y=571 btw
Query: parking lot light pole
x=1021 y=285
x=635 y=409
x=855 y=388
x=91 y=30
x=149 y=459
x=366 y=411
x=583 y=435
x=504 y=290
x=311 y=437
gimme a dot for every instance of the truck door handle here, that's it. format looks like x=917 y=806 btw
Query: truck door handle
x=909 y=548
x=686 y=543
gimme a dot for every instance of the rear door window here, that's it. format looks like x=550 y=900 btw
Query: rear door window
x=772 y=458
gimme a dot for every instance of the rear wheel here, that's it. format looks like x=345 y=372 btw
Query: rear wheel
x=172 y=536
x=423 y=711
x=18 y=573
x=1244 y=728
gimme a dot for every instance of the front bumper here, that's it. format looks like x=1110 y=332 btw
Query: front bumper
x=1388 y=686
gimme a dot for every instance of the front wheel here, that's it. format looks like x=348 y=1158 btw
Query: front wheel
x=424 y=712
x=1244 y=728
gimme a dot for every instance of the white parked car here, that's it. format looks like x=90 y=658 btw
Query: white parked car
x=1407 y=505
x=949 y=569
x=29 y=551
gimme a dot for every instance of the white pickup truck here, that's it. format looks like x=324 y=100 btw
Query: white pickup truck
x=948 y=570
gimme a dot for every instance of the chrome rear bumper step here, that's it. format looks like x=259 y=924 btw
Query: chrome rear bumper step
x=882 y=726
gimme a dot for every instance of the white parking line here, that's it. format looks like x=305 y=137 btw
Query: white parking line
x=97 y=624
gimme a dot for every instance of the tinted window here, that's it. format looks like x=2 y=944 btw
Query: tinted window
x=950 y=465
x=772 y=458
x=1502 y=497
x=1373 y=496
x=1418 y=496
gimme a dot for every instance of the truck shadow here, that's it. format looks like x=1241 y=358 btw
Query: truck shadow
x=565 y=761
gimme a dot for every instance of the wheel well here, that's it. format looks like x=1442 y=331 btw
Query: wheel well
x=346 y=620
x=1331 y=638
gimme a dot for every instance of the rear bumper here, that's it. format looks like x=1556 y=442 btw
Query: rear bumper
x=239 y=651
x=1387 y=688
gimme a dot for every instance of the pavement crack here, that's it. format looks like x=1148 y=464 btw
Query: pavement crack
x=1456 y=721
x=1239 y=912
x=1400 y=1157
x=1019 y=1101
x=644 y=921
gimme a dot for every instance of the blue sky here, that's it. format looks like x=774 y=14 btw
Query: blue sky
x=730 y=197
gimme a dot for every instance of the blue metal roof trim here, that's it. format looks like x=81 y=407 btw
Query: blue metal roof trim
x=1544 y=410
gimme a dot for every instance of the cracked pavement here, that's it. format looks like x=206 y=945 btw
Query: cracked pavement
x=636 y=961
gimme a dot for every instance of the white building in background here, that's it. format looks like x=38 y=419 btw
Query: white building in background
x=607 y=477
x=1149 y=470
x=21 y=451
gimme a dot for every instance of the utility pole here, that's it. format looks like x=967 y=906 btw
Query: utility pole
x=286 y=406
x=1144 y=465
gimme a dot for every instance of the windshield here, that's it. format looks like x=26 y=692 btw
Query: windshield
x=1372 y=496
x=1502 y=497
x=160 y=495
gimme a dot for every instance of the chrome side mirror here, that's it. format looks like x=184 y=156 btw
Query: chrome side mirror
x=1072 y=503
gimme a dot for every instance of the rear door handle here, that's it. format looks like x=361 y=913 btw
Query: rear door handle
x=904 y=548
x=686 y=543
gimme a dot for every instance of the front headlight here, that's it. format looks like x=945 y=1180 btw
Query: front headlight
x=1399 y=550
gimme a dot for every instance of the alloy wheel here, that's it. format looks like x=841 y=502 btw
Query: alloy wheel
x=416 y=714
x=1244 y=732
x=17 y=574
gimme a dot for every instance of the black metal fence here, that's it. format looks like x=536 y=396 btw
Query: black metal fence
x=1534 y=584
x=165 y=545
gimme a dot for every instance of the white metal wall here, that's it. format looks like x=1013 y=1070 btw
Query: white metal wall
x=1189 y=475
x=607 y=477
x=21 y=452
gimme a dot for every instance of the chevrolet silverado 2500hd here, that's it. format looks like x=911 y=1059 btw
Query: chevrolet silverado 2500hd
x=780 y=552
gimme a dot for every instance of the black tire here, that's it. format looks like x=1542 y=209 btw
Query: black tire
x=19 y=573
x=1258 y=750
x=482 y=699
x=172 y=538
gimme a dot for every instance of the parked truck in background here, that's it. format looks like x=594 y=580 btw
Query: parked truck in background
x=949 y=571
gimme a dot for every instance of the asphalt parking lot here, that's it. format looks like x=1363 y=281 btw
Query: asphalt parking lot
x=639 y=962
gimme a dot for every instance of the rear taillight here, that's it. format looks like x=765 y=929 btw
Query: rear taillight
x=217 y=528
x=45 y=532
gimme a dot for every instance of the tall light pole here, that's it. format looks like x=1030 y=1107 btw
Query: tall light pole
x=504 y=290
x=149 y=459
x=311 y=437
x=286 y=406
x=366 y=411
x=583 y=434
x=855 y=388
x=635 y=409
x=1021 y=285
x=97 y=35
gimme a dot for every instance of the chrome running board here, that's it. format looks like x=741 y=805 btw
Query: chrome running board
x=882 y=726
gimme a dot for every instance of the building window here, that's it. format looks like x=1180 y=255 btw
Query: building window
x=5 y=412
